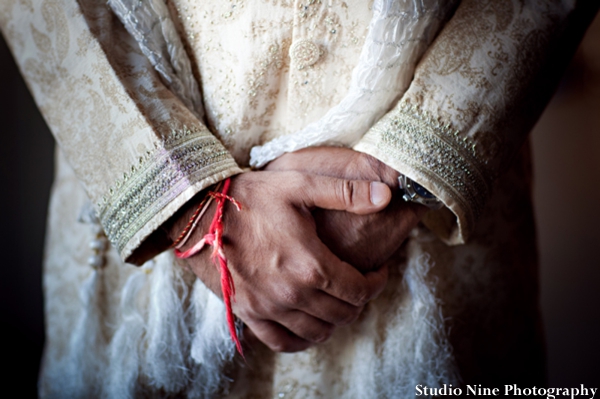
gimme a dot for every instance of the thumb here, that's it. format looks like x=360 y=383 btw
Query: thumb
x=356 y=196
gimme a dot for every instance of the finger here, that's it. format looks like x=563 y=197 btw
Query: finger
x=341 y=280
x=277 y=337
x=325 y=161
x=351 y=286
x=356 y=196
x=377 y=280
x=306 y=326
x=331 y=310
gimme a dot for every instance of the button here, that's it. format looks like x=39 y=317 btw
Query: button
x=304 y=53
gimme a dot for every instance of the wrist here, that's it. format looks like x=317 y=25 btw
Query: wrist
x=176 y=225
x=415 y=193
x=409 y=190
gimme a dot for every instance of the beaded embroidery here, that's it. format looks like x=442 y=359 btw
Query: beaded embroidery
x=437 y=151
x=185 y=157
x=304 y=53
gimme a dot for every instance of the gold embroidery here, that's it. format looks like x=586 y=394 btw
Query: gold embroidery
x=185 y=157
x=479 y=75
x=251 y=93
x=56 y=19
x=437 y=151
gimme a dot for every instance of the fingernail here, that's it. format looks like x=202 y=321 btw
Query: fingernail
x=379 y=193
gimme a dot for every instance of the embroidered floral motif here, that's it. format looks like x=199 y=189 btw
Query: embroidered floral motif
x=244 y=59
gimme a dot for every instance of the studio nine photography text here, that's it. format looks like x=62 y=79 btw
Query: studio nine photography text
x=511 y=390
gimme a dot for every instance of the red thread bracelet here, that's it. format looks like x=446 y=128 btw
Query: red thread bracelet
x=214 y=238
x=193 y=222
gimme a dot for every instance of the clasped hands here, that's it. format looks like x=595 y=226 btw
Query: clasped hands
x=306 y=251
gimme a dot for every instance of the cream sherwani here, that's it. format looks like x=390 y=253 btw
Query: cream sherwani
x=462 y=300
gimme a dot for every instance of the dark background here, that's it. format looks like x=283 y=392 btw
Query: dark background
x=26 y=169
x=567 y=193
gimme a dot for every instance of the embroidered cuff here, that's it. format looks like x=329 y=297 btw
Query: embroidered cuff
x=438 y=158
x=163 y=180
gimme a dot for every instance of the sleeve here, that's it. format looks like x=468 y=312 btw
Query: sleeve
x=474 y=97
x=136 y=148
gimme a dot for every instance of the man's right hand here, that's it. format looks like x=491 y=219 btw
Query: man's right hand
x=291 y=291
x=366 y=241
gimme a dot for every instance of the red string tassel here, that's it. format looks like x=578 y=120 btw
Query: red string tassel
x=214 y=238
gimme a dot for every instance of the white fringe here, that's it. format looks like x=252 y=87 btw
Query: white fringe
x=211 y=327
x=125 y=348
x=413 y=350
x=160 y=345
x=416 y=349
x=152 y=345
x=212 y=347
x=84 y=365
x=167 y=334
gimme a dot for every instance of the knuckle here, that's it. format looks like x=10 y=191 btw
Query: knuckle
x=346 y=192
x=314 y=277
x=323 y=335
x=375 y=165
x=361 y=297
x=287 y=345
x=302 y=179
x=368 y=167
x=268 y=308
x=279 y=345
x=292 y=297
x=350 y=316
